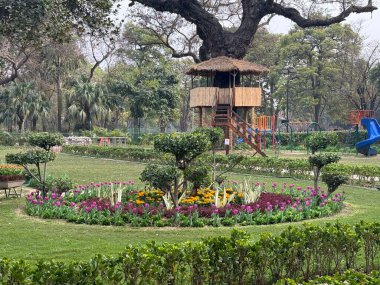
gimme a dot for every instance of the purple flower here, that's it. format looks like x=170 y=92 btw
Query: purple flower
x=234 y=212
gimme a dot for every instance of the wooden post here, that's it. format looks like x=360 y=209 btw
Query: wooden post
x=227 y=137
x=253 y=117
x=200 y=117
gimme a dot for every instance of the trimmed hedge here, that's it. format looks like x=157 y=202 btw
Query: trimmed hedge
x=296 y=253
x=280 y=167
x=123 y=153
x=349 y=277
x=345 y=138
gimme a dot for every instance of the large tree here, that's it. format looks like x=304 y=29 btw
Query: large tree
x=26 y=26
x=227 y=27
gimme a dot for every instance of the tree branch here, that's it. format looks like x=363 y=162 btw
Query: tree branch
x=294 y=15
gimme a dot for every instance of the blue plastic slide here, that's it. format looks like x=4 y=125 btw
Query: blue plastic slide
x=373 y=130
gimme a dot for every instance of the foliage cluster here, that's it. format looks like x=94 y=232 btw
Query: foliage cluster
x=320 y=140
x=298 y=252
x=351 y=277
x=38 y=157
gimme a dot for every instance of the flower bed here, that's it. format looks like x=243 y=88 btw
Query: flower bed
x=119 y=203
x=10 y=172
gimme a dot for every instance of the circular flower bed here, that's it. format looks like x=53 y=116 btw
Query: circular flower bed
x=119 y=203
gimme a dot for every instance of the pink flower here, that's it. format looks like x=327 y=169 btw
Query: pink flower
x=234 y=211
x=72 y=204
x=58 y=204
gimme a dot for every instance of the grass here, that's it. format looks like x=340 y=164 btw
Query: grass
x=32 y=239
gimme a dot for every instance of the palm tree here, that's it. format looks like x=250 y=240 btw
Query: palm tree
x=18 y=103
x=87 y=102
x=39 y=108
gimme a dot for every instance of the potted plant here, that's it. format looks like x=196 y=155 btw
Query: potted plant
x=11 y=176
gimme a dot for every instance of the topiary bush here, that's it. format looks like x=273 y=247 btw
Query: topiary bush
x=45 y=140
x=318 y=161
x=320 y=140
x=333 y=180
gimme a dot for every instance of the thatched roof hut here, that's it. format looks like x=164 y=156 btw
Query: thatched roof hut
x=226 y=64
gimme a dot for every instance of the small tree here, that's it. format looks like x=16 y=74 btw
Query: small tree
x=185 y=147
x=45 y=140
x=318 y=161
x=333 y=180
x=38 y=157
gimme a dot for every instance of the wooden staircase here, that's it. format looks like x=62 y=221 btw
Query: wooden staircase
x=224 y=116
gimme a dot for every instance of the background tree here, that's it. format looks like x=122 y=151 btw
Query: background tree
x=44 y=22
x=228 y=27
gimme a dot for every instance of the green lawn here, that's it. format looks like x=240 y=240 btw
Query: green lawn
x=31 y=238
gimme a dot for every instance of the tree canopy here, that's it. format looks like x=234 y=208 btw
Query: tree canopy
x=227 y=27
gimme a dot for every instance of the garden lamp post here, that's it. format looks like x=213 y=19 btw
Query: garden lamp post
x=288 y=71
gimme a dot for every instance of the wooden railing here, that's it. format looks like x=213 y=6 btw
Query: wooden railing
x=224 y=117
x=238 y=96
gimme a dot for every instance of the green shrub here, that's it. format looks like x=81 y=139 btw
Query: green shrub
x=60 y=184
x=296 y=254
x=184 y=146
x=45 y=140
x=7 y=139
x=199 y=175
x=320 y=140
x=349 y=277
x=333 y=180
x=318 y=161
x=160 y=177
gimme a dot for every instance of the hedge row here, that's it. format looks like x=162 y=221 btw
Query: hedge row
x=337 y=138
x=280 y=167
x=123 y=153
x=296 y=253
x=349 y=277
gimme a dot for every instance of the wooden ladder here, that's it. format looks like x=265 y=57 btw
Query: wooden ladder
x=224 y=116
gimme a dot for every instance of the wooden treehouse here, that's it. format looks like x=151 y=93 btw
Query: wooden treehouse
x=225 y=92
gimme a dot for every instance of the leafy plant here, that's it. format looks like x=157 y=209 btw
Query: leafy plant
x=198 y=175
x=45 y=140
x=319 y=141
x=39 y=158
x=250 y=192
x=319 y=161
x=333 y=180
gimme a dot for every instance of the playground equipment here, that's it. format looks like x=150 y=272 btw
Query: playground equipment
x=231 y=89
x=264 y=125
x=355 y=117
x=373 y=130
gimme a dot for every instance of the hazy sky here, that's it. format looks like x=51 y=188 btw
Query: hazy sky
x=370 y=24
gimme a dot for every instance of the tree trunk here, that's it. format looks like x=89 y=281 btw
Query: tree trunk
x=34 y=124
x=59 y=98
x=20 y=124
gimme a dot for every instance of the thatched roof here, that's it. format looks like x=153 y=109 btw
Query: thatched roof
x=226 y=64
